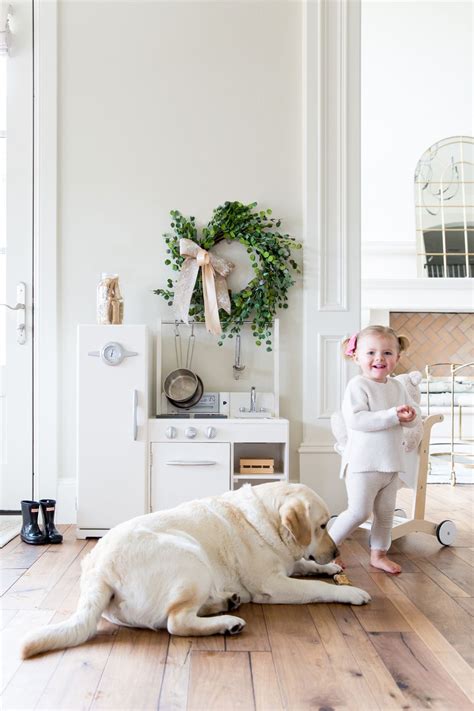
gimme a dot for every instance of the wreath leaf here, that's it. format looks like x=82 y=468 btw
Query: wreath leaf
x=270 y=256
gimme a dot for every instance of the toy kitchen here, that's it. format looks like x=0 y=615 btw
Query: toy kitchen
x=150 y=436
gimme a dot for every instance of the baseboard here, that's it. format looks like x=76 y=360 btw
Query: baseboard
x=309 y=448
x=66 y=501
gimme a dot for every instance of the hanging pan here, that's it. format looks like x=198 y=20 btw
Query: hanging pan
x=193 y=400
x=182 y=386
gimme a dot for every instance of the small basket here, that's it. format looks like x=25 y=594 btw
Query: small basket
x=257 y=466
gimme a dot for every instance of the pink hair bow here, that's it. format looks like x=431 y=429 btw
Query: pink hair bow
x=351 y=346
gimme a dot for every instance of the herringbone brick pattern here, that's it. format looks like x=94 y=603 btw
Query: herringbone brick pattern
x=435 y=338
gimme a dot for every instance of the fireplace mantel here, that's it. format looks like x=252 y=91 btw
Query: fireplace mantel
x=419 y=294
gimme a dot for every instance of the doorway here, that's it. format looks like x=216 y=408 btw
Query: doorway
x=16 y=255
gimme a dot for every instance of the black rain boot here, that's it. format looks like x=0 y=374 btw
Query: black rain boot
x=30 y=531
x=48 y=507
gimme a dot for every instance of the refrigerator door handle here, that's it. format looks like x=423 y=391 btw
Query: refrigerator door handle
x=134 y=415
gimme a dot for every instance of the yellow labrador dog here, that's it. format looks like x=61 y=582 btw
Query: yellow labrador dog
x=180 y=568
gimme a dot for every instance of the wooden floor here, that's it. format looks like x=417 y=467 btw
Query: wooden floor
x=410 y=648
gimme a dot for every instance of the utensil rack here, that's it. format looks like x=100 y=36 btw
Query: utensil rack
x=275 y=326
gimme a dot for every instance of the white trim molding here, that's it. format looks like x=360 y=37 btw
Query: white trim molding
x=45 y=250
x=332 y=374
x=419 y=294
x=421 y=284
x=331 y=228
x=316 y=448
x=332 y=139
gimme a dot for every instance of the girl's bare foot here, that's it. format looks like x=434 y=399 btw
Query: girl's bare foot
x=379 y=560
x=339 y=561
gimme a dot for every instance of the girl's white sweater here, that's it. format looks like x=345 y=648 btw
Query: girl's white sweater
x=374 y=432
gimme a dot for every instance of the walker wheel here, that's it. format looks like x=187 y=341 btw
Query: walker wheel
x=401 y=513
x=446 y=532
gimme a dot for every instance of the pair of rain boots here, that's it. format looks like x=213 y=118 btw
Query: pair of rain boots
x=30 y=531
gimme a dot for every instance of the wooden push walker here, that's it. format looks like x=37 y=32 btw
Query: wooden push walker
x=445 y=531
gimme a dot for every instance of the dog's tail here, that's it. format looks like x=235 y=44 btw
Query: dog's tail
x=77 y=629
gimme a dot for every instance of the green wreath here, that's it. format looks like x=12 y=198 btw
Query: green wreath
x=270 y=256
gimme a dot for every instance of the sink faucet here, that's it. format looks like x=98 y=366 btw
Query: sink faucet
x=253 y=399
x=253 y=403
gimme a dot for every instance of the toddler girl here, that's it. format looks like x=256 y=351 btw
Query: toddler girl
x=374 y=407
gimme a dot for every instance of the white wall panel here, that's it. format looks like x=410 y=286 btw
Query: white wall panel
x=332 y=229
x=173 y=105
x=333 y=167
x=332 y=374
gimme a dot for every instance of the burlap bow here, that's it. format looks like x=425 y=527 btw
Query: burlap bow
x=214 y=286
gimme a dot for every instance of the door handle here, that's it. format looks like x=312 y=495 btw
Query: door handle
x=134 y=415
x=190 y=463
x=14 y=308
x=20 y=307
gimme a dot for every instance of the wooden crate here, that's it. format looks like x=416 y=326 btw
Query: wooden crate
x=257 y=466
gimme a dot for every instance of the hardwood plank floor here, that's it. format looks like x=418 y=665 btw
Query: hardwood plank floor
x=410 y=648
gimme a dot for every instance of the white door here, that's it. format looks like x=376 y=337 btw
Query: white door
x=16 y=254
x=182 y=471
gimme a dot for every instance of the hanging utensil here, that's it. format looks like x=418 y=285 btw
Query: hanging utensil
x=237 y=367
x=177 y=345
x=181 y=384
x=190 y=348
x=189 y=360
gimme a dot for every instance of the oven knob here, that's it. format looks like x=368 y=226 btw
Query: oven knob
x=211 y=432
x=190 y=432
x=170 y=432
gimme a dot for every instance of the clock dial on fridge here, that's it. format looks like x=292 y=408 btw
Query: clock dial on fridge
x=112 y=353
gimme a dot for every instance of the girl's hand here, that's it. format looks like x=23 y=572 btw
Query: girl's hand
x=406 y=413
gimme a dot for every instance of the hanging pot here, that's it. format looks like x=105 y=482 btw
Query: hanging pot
x=182 y=385
x=193 y=400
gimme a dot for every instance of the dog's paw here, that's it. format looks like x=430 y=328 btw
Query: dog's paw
x=332 y=569
x=233 y=625
x=233 y=602
x=352 y=596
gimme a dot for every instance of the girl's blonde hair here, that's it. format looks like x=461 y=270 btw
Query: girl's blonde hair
x=402 y=341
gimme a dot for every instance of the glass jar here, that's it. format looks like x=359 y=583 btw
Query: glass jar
x=109 y=300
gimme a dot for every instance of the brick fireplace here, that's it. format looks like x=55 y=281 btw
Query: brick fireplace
x=434 y=338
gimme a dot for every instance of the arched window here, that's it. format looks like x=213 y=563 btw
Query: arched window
x=444 y=201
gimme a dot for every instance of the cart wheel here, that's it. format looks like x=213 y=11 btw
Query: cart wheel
x=401 y=513
x=446 y=532
x=331 y=521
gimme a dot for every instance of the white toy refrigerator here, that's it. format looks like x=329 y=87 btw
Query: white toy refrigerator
x=113 y=381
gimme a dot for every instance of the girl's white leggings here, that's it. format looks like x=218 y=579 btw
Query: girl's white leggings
x=367 y=493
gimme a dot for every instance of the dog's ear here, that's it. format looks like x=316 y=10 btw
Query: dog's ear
x=294 y=515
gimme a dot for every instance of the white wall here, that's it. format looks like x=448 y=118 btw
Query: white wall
x=417 y=88
x=172 y=105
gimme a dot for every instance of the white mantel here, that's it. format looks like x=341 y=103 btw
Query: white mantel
x=418 y=294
